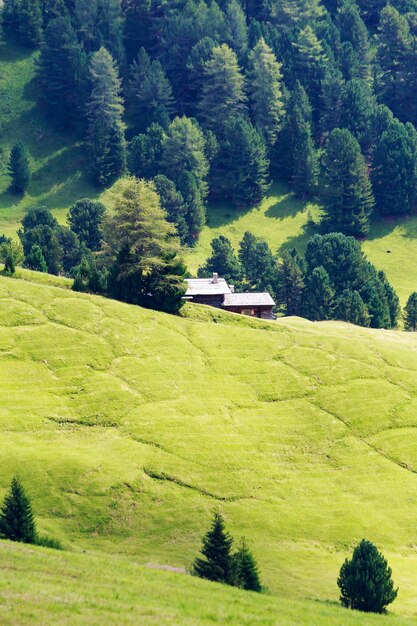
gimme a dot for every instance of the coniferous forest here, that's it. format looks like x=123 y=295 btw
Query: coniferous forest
x=193 y=101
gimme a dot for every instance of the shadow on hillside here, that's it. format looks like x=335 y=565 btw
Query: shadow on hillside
x=383 y=227
x=287 y=206
x=11 y=50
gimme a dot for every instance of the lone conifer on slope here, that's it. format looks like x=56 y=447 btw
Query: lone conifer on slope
x=246 y=572
x=17 y=522
x=218 y=562
x=19 y=169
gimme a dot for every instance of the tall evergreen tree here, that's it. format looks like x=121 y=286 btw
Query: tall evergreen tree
x=394 y=170
x=136 y=31
x=17 y=522
x=310 y=64
x=357 y=107
x=223 y=95
x=85 y=219
x=291 y=273
x=351 y=308
x=30 y=22
x=105 y=112
x=319 y=299
x=19 y=169
x=223 y=261
x=245 y=569
x=61 y=73
x=365 y=581
x=345 y=187
x=241 y=168
x=217 y=564
x=35 y=259
x=410 y=313
x=353 y=30
x=266 y=95
x=304 y=158
x=237 y=29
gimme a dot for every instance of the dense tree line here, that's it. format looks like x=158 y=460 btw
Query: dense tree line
x=220 y=97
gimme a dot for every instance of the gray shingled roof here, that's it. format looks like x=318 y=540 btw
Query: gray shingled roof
x=206 y=286
x=248 y=299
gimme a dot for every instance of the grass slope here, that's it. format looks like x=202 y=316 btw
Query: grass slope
x=49 y=588
x=129 y=427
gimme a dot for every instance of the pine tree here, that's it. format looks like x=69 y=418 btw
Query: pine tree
x=266 y=97
x=173 y=203
x=353 y=30
x=236 y=22
x=291 y=273
x=218 y=562
x=223 y=261
x=30 y=22
x=345 y=187
x=245 y=569
x=85 y=219
x=223 y=95
x=19 y=169
x=136 y=15
x=357 y=107
x=332 y=100
x=304 y=159
x=394 y=170
x=351 y=308
x=392 y=299
x=105 y=112
x=241 y=168
x=410 y=313
x=61 y=73
x=319 y=297
x=145 y=152
x=196 y=63
x=150 y=90
x=365 y=580
x=195 y=211
x=17 y=522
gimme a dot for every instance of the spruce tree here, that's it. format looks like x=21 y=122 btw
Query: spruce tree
x=304 y=159
x=35 y=259
x=61 y=74
x=241 y=168
x=266 y=97
x=354 y=31
x=10 y=16
x=245 y=569
x=136 y=31
x=217 y=564
x=19 y=169
x=173 y=203
x=17 y=522
x=365 y=580
x=105 y=112
x=223 y=96
x=345 y=188
x=410 y=313
x=150 y=90
x=310 y=63
x=356 y=115
x=291 y=275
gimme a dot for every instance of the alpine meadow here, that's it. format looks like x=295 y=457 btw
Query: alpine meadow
x=208 y=312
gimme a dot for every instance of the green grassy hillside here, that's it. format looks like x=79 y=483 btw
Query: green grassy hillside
x=60 y=178
x=49 y=588
x=129 y=427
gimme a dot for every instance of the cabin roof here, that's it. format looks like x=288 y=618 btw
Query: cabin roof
x=207 y=286
x=248 y=299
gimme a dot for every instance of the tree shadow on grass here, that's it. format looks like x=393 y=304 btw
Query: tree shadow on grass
x=383 y=227
x=11 y=50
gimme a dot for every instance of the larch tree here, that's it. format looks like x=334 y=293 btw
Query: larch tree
x=266 y=97
x=105 y=116
x=223 y=96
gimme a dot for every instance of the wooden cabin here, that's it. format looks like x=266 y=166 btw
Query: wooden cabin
x=216 y=292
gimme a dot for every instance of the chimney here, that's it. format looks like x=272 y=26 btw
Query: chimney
x=215 y=278
x=232 y=288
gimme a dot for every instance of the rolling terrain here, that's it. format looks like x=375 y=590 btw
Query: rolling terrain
x=60 y=177
x=128 y=427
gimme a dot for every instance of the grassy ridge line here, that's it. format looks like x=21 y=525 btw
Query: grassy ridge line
x=129 y=426
x=40 y=586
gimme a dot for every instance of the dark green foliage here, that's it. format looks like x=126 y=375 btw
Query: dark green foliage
x=223 y=261
x=258 y=264
x=71 y=248
x=410 y=313
x=304 y=159
x=35 y=260
x=392 y=300
x=30 y=22
x=291 y=274
x=87 y=276
x=145 y=152
x=105 y=111
x=19 y=169
x=356 y=113
x=85 y=219
x=173 y=203
x=9 y=263
x=319 y=301
x=136 y=15
x=217 y=564
x=17 y=522
x=345 y=186
x=245 y=569
x=351 y=308
x=62 y=74
x=394 y=171
x=241 y=168
x=365 y=580
x=40 y=228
